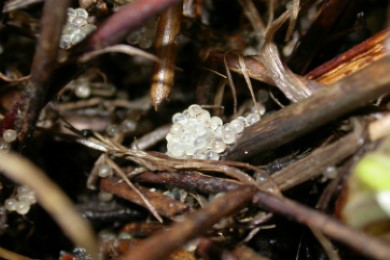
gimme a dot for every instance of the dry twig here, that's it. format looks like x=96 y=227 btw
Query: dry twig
x=52 y=198
x=165 y=242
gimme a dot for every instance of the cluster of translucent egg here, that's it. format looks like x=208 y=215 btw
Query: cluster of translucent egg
x=196 y=135
x=22 y=202
x=76 y=28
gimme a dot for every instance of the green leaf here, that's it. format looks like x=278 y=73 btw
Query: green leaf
x=373 y=170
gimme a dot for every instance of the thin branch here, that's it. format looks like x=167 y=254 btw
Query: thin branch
x=146 y=202
x=44 y=62
x=167 y=241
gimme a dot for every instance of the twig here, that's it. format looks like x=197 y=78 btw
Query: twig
x=120 y=48
x=253 y=16
x=316 y=162
x=140 y=195
x=151 y=138
x=326 y=244
x=45 y=59
x=165 y=206
x=196 y=224
x=52 y=198
x=366 y=245
x=10 y=80
x=291 y=85
x=189 y=181
x=293 y=19
x=300 y=118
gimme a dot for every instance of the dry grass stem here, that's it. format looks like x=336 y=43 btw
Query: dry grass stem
x=59 y=206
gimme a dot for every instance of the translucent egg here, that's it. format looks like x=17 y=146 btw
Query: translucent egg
x=28 y=197
x=228 y=136
x=215 y=121
x=189 y=150
x=65 y=41
x=112 y=130
x=227 y=127
x=188 y=138
x=200 y=154
x=106 y=235
x=218 y=132
x=78 y=21
x=177 y=150
x=171 y=138
x=128 y=126
x=71 y=12
x=204 y=117
x=22 y=207
x=200 y=129
x=69 y=29
x=134 y=37
x=202 y=141
x=10 y=204
x=237 y=125
x=179 y=118
x=124 y=236
x=218 y=146
x=81 y=12
x=259 y=109
x=252 y=118
x=330 y=172
x=10 y=135
x=176 y=129
x=105 y=196
x=23 y=190
x=145 y=43
x=82 y=90
x=77 y=37
x=187 y=114
x=212 y=156
x=104 y=171
x=4 y=146
x=190 y=125
x=194 y=110
x=88 y=28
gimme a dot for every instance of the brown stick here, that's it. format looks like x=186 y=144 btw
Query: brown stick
x=162 y=244
x=188 y=181
x=357 y=240
x=44 y=62
x=300 y=118
x=316 y=162
x=164 y=205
